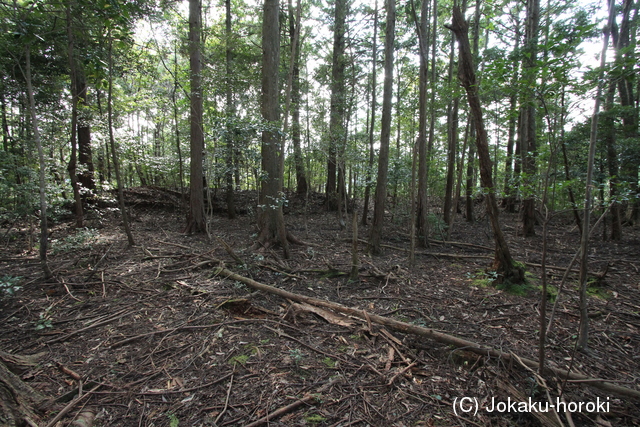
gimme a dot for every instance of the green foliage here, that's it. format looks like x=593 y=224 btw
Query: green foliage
x=173 y=420
x=83 y=238
x=44 y=321
x=314 y=419
x=329 y=362
x=241 y=359
x=9 y=285
x=296 y=355
x=482 y=278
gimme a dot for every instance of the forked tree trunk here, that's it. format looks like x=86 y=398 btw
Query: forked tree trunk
x=504 y=264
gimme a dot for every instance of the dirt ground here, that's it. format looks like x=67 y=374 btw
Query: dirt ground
x=158 y=337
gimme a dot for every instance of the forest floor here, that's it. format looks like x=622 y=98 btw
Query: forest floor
x=158 y=337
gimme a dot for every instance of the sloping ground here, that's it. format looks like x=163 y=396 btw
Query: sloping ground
x=157 y=337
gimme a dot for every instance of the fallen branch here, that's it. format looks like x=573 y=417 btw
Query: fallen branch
x=426 y=332
x=283 y=410
x=118 y=315
x=71 y=405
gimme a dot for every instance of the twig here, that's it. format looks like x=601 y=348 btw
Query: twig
x=95 y=267
x=283 y=410
x=116 y=316
x=231 y=252
x=226 y=402
x=401 y=372
x=424 y=332
x=71 y=405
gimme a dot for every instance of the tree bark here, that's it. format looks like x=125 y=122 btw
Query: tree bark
x=423 y=38
x=230 y=110
x=44 y=233
x=196 y=218
x=73 y=160
x=337 y=131
x=507 y=269
x=509 y=172
x=452 y=140
x=583 y=333
x=85 y=158
x=271 y=219
x=114 y=152
x=374 y=83
x=385 y=134
x=294 y=35
x=529 y=140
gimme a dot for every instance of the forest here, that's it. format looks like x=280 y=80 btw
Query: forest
x=319 y=213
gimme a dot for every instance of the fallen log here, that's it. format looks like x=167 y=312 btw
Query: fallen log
x=429 y=333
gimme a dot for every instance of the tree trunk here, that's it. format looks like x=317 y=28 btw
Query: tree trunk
x=612 y=162
x=507 y=269
x=385 y=134
x=176 y=123
x=73 y=160
x=44 y=234
x=529 y=141
x=423 y=38
x=229 y=137
x=19 y=402
x=374 y=55
x=337 y=131
x=271 y=219
x=294 y=35
x=509 y=172
x=85 y=178
x=583 y=333
x=624 y=56
x=114 y=152
x=196 y=218
x=452 y=140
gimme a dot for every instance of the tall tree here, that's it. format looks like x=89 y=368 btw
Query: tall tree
x=114 y=152
x=73 y=159
x=196 y=217
x=230 y=113
x=507 y=269
x=44 y=232
x=271 y=218
x=385 y=132
x=583 y=333
x=372 y=104
x=337 y=130
x=509 y=178
x=452 y=139
x=423 y=40
x=528 y=127
x=294 y=36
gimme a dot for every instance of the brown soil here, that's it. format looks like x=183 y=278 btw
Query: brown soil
x=169 y=341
